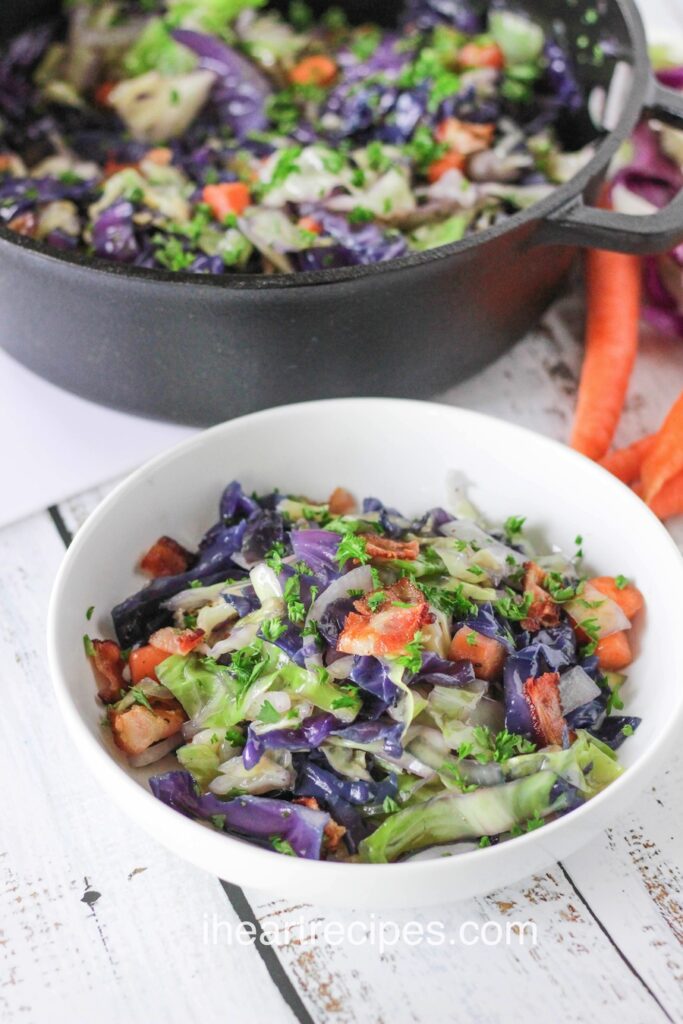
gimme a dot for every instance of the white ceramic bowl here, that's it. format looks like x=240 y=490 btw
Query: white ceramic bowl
x=402 y=452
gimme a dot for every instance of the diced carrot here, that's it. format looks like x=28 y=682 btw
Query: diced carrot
x=102 y=93
x=6 y=162
x=309 y=224
x=614 y=652
x=341 y=502
x=316 y=70
x=166 y=557
x=450 y=162
x=143 y=662
x=160 y=155
x=628 y=597
x=543 y=696
x=668 y=501
x=384 y=547
x=626 y=463
x=176 y=641
x=464 y=137
x=112 y=167
x=108 y=666
x=227 y=197
x=481 y=55
x=487 y=655
x=666 y=458
x=613 y=282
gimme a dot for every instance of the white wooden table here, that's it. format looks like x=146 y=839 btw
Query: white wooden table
x=99 y=922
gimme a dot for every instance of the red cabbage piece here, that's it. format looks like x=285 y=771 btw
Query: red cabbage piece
x=113 y=233
x=253 y=817
x=552 y=650
x=361 y=243
x=264 y=529
x=460 y=14
x=240 y=92
x=317 y=548
x=235 y=504
x=391 y=520
x=23 y=53
x=372 y=675
x=382 y=735
x=611 y=730
x=489 y=624
x=308 y=736
x=442 y=672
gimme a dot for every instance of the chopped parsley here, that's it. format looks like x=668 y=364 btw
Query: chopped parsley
x=412 y=659
x=351 y=548
x=512 y=608
x=513 y=526
x=471 y=638
x=361 y=215
x=268 y=714
x=389 y=805
x=627 y=729
x=282 y=846
x=88 y=646
x=484 y=841
x=376 y=600
x=273 y=557
x=218 y=821
x=273 y=629
x=296 y=612
x=621 y=582
x=89 y=612
x=139 y=697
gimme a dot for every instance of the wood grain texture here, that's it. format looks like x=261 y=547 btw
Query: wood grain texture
x=610 y=918
x=97 y=921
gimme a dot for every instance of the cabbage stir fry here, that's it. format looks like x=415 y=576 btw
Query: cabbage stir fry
x=351 y=684
x=216 y=136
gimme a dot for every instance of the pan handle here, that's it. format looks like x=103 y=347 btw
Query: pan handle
x=642 y=234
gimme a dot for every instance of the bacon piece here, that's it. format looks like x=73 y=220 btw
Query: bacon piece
x=465 y=137
x=543 y=612
x=137 y=728
x=166 y=557
x=390 y=627
x=383 y=547
x=333 y=832
x=24 y=224
x=108 y=666
x=176 y=641
x=543 y=697
x=341 y=502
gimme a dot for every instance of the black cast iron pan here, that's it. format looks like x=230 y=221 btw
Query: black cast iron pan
x=201 y=349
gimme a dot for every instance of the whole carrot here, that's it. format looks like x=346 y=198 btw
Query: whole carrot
x=668 y=501
x=613 y=282
x=665 y=461
x=626 y=463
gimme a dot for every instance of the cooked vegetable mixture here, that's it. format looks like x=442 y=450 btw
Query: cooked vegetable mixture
x=353 y=685
x=215 y=137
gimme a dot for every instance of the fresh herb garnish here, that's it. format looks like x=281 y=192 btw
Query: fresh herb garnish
x=412 y=659
x=268 y=714
x=282 y=846
x=273 y=629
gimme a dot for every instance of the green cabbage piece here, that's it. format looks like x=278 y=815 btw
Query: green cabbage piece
x=155 y=49
x=452 y=817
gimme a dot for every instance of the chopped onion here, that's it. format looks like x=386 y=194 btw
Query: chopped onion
x=357 y=579
x=156 y=751
x=595 y=607
x=576 y=689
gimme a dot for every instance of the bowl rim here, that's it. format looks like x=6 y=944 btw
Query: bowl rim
x=562 y=196
x=150 y=811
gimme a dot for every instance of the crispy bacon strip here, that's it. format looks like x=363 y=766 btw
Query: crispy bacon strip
x=544 y=612
x=383 y=547
x=465 y=137
x=333 y=832
x=24 y=224
x=166 y=557
x=176 y=641
x=108 y=666
x=341 y=502
x=387 y=630
x=543 y=697
x=137 y=728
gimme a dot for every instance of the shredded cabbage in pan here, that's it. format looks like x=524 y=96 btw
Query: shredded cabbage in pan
x=218 y=136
